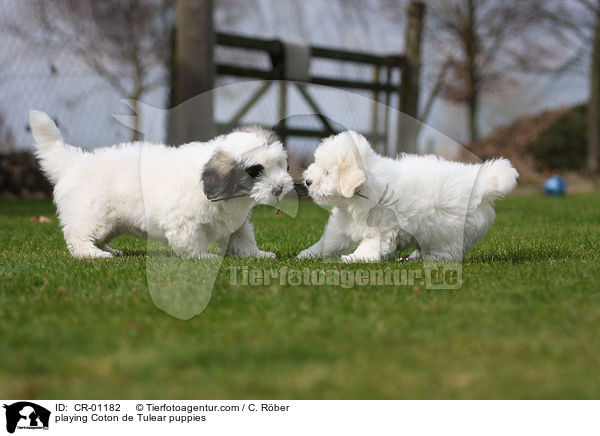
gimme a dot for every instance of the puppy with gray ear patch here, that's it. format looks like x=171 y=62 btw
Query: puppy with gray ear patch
x=185 y=196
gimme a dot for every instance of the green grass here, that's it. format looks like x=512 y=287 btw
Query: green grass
x=525 y=324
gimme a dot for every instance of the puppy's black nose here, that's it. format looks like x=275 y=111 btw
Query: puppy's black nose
x=308 y=182
x=277 y=191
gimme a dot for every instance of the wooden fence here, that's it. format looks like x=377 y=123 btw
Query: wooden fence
x=394 y=75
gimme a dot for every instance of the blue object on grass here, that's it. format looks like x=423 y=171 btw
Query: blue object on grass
x=555 y=185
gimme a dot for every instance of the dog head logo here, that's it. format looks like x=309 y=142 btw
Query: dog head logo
x=26 y=415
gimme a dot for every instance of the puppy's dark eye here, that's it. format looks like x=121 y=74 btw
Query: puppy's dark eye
x=288 y=168
x=255 y=171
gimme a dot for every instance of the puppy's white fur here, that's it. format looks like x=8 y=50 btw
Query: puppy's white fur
x=157 y=191
x=439 y=207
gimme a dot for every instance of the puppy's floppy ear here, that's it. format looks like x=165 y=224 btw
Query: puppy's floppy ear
x=351 y=176
x=222 y=176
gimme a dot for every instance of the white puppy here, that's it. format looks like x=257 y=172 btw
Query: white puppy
x=441 y=208
x=172 y=194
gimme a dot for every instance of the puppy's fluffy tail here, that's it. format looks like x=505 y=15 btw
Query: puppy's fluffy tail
x=54 y=155
x=496 y=178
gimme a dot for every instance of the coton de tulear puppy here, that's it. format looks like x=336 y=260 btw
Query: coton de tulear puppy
x=185 y=196
x=440 y=208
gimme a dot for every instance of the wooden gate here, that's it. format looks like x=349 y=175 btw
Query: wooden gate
x=395 y=74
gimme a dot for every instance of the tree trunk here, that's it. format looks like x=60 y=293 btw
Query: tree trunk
x=594 y=103
x=136 y=120
x=135 y=98
x=409 y=84
x=192 y=78
x=471 y=52
x=473 y=109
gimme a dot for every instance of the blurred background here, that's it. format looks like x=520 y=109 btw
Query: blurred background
x=500 y=77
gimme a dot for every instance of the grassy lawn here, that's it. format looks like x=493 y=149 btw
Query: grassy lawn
x=525 y=324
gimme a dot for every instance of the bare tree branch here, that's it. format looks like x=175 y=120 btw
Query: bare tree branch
x=436 y=89
x=124 y=42
x=488 y=38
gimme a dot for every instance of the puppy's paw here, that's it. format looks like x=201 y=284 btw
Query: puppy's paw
x=266 y=254
x=98 y=254
x=111 y=250
x=349 y=258
x=306 y=254
x=353 y=258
